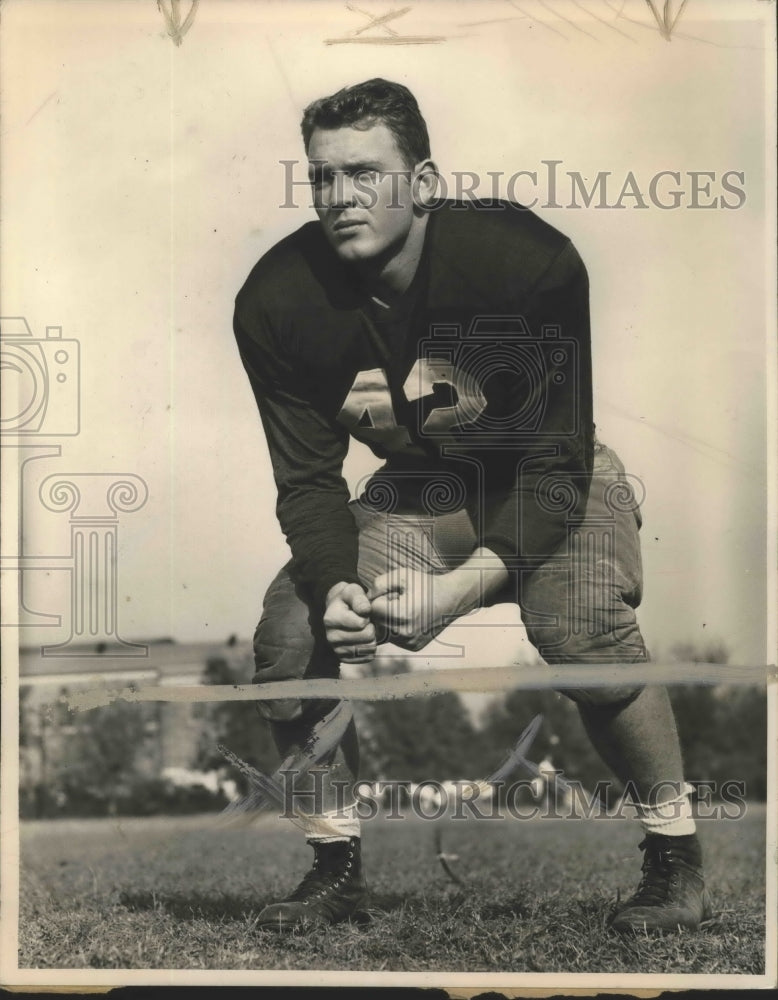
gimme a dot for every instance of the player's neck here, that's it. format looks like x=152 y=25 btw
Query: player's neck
x=393 y=277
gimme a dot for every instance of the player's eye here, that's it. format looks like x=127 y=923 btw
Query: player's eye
x=367 y=175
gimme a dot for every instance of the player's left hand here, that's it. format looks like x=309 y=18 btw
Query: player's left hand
x=413 y=606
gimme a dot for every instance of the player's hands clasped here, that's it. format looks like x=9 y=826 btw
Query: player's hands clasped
x=412 y=605
x=347 y=623
x=408 y=607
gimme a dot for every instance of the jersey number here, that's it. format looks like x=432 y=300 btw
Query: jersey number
x=367 y=410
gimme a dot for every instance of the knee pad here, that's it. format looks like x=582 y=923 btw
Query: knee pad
x=627 y=647
x=276 y=659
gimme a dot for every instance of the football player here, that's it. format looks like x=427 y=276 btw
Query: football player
x=453 y=339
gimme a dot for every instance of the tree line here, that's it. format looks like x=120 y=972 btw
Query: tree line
x=106 y=761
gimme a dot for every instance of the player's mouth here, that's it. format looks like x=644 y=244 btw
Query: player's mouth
x=347 y=225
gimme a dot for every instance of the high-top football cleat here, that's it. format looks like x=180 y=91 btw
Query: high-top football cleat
x=671 y=893
x=333 y=890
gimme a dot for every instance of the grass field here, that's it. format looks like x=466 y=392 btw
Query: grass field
x=167 y=893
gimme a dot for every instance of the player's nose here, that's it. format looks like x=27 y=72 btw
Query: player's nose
x=343 y=193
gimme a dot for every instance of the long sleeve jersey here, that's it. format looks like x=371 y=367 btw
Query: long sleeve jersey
x=477 y=385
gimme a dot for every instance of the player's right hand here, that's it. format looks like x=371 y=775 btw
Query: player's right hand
x=347 y=623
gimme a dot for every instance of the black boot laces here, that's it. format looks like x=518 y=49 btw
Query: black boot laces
x=655 y=882
x=661 y=874
x=319 y=881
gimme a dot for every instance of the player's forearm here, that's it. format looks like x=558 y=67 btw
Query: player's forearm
x=322 y=536
x=475 y=582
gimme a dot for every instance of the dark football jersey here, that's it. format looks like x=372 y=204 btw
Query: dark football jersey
x=475 y=385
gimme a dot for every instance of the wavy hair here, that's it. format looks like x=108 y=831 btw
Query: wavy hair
x=366 y=104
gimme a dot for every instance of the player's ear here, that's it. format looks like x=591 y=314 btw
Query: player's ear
x=424 y=183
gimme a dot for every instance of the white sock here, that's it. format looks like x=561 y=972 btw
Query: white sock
x=672 y=818
x=339 y=824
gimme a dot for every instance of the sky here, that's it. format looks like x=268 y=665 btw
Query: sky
x=142 y=180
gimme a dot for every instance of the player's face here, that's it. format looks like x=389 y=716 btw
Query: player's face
x=363 y=192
